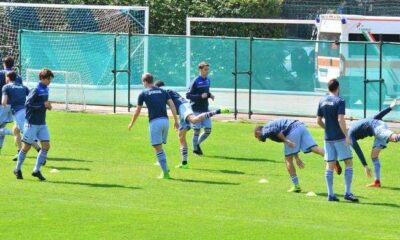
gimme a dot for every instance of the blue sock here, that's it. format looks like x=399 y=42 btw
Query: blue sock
x=329 y=181
x=21 y=159
x=1 y=140
x=208 y=115
x=196 y=133
x=205 y=135
x=40 y=160
x=162 y=159
x=348 y=177
x=295 y=180
x=377 y=168
x=184 y=152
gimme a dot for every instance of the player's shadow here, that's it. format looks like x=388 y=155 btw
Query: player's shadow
x=204 y=181
x=70 y=168
x=63 y=159
x=220 y=171
x=248 y=159
x=95 y=185
x=392 y=188
x=393 y=205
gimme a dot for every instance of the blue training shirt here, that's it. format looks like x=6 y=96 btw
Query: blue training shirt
x=282 y=125
x=176 y=98
x=3 y=74
x=35 y=109
x=199 y=86
x=365 y=128
x=156 y=101
x=16 y=94
x=330 y=107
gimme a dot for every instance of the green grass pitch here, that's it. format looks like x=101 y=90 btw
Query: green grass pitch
x=107 y=189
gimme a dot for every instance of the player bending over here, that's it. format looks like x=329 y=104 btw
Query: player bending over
x=373 y=127
x=295 y=137
x=186 y=116
x=156 y=100
x=37 y=103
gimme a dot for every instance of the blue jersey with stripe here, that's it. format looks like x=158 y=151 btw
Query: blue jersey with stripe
x=3 y=74
x=199 y=86
x=156 y=101
x=35 y=109
x=330 y=107
x=282 y=125
x=16 y=95
x=176 y=98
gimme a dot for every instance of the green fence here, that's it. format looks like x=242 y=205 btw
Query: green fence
x=251 y=75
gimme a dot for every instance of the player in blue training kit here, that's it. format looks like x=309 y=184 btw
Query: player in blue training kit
x=198 y=94
x=14 y=94
x=186 y=117
x=5 y=111
x=332 y=108
x=295 y=137
x=373 y=127
x=37 y=103
x=156 y=100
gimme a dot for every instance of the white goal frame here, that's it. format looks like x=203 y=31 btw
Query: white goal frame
x=189 y=21
x=66 y=85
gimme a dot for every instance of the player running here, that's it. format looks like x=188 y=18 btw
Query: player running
x=14 y=94
x=198 y=94
x=295 y=137
x=373 y=127
x=156 y=100
x=37 y=103
x=186 y=116
x=332 y=109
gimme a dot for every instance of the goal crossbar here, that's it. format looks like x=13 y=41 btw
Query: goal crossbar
x=106 y=7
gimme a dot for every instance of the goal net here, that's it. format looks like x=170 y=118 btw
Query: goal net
x=76 y=39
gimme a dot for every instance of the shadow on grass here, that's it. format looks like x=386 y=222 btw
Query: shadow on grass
x=61 y=159
x=204 y=181
x=220 y=171
x=393 y=205
x=95 y=185
x=244 y=159
x=392 y=188
x=337 y=195
x=70 y=168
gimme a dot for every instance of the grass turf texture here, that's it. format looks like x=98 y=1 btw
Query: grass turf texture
x=107 y=189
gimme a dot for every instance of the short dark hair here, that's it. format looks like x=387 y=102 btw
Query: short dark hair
x=203 y=64
x=11 y=76
x=8 y=62
x=147 y=77
x=45 y=74
x=333 y=85
x=159 y=83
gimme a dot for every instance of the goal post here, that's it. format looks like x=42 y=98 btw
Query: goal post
x=190 y=20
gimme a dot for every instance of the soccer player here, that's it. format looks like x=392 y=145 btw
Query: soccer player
x=332 y=109
x=186 y=116
x=37 y=103
x=373 y=127
x=198 y=94
x=5 y=114
x=295 y=137
x=15 y=94
x=156 y=100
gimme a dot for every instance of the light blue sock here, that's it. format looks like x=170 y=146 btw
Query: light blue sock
x=329 y=181
x=184 y=152
x=21 y=159
x=205 y=135
x=377 y=168
x=196 y=133
x=1 y=140
x=40 y=160
x=295 y=180
x=348 y=177
x=162 y=159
